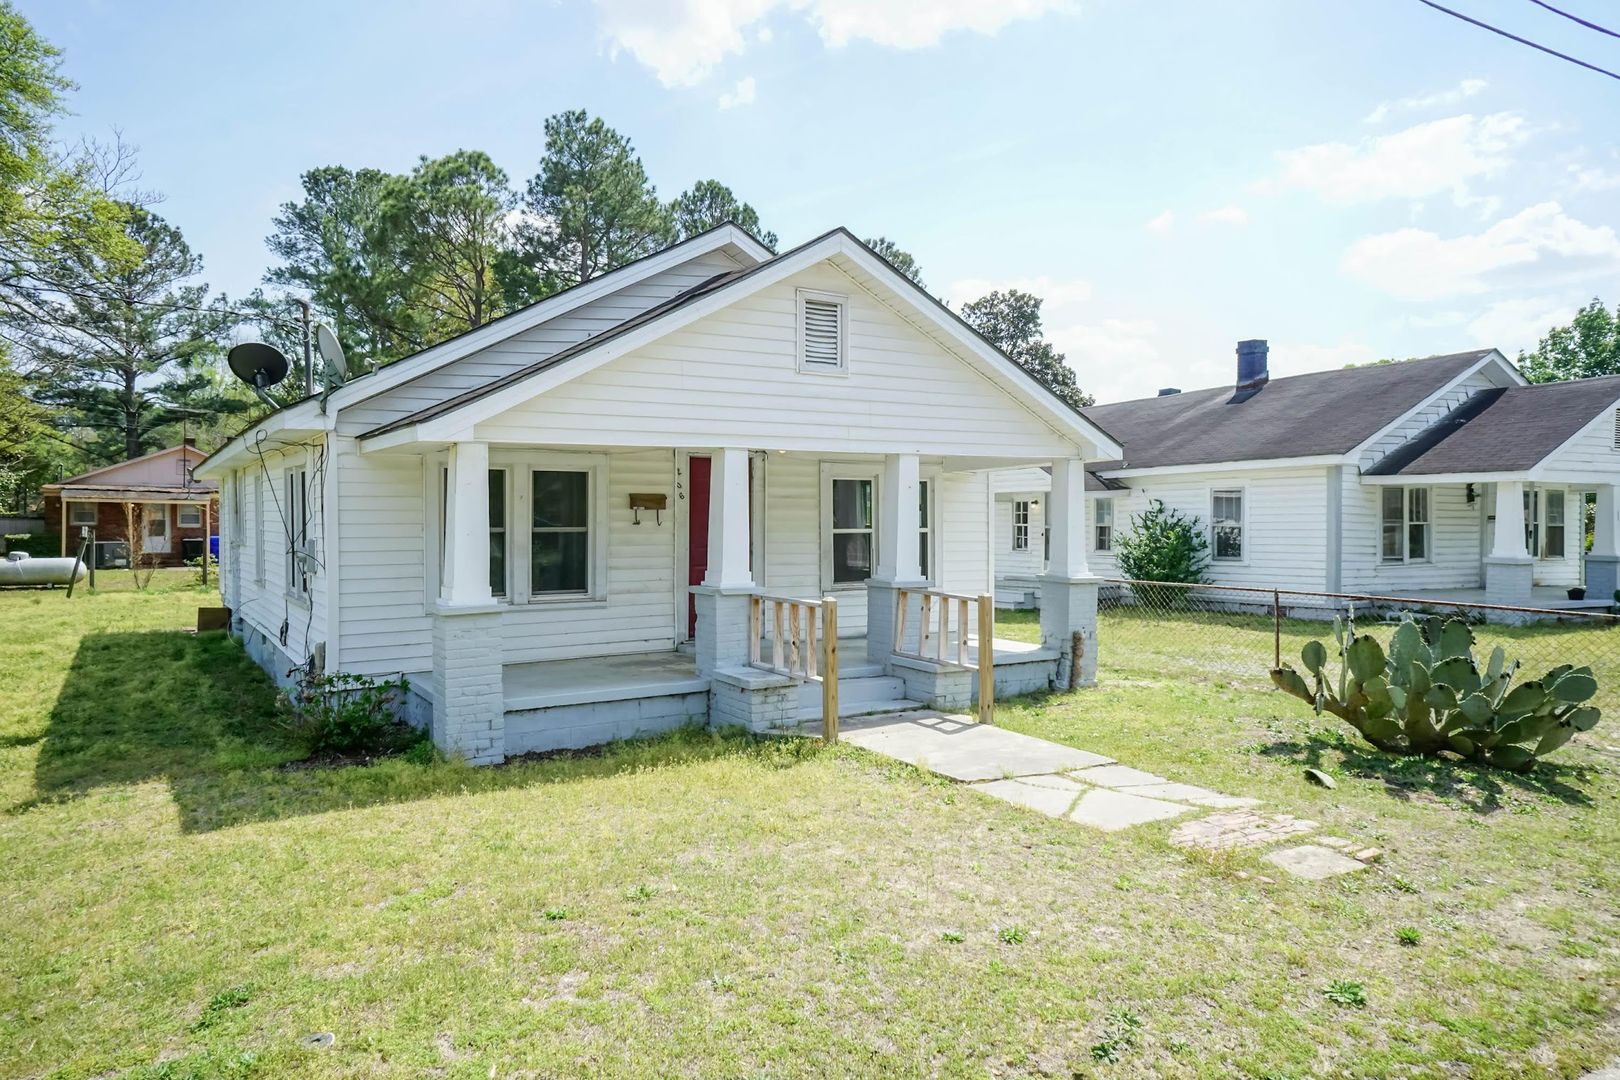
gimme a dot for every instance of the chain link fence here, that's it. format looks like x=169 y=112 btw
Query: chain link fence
x=1231 y=635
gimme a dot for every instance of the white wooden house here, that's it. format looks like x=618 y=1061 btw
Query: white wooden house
x=1448 y=478
x=558 y=526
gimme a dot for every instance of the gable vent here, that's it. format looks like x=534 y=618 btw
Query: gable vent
x=1617 y=429
x=821 y=332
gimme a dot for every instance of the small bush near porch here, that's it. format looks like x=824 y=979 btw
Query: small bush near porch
x=179 y=904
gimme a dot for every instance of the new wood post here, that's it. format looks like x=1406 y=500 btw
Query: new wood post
x=829 y=670
x=987 y=658
x=1276 y=628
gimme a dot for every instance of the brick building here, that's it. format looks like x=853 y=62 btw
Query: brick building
x=175 y=514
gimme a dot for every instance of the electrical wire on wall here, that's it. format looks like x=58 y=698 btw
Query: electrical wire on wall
x=298 y=558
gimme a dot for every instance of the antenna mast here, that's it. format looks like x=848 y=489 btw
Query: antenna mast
x=309 y=364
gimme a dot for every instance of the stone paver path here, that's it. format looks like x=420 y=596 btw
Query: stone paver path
x=1093 y=790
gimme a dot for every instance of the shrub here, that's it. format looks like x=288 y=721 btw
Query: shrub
x=1163 y=544
x=38 y=545
x=343 y=713
x=1429 y=694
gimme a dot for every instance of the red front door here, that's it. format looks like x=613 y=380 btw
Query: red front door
x=697 y=533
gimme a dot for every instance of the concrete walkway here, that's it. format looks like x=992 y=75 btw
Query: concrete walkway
x=1090 y=789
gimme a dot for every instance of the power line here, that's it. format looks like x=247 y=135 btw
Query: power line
x=1576 y=18
x=1520 y=40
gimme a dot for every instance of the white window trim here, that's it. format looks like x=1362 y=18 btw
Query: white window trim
x=296 y=479
x=519 y=466
x=1243 y=525
x=1113 y=516
x=1406 y=526
x=930 y=482
x=73 y=514
x=806 y=368
x=831 y=471
x=189 y=508
x=1539 y=510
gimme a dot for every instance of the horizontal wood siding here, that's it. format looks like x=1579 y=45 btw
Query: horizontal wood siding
x=533 y=345
x=732 y=377
x=261 y=595
x=383 y=596
x=1032 y=560
x=1455 y=562
x=1591 y=453
x=963 y=523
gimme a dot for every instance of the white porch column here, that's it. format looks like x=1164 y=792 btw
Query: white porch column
x=1603 y=564
x=1509 y=569
x=466 y=528
x=728 y=521
x=469 y=706
x=1068 y=591
x=724 y=599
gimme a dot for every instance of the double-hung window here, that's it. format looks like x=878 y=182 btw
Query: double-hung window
x=1103 y=528
x=1404 y=524
x=497 y=532
x=83 y=513
x=296 y=508
x=1020 y=525
x=1552 y=525
x=560 y=532
x=924 y=532
x=852 y=539
x=1226 y=524
x=190 y=517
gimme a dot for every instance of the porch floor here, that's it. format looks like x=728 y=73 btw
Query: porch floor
x=548 y=683
x=1549 y=597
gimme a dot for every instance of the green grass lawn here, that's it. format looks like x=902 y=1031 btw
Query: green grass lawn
x=177 y=904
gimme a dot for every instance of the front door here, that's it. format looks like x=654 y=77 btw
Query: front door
x=155 y=540
x=697 y=536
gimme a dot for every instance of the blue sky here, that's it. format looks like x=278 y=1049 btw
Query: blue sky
x=1348 y=180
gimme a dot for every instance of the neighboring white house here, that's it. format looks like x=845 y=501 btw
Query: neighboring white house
x=555 y=525
x=1443 y=478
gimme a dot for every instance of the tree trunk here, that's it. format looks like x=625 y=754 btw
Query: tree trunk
x=132 y=416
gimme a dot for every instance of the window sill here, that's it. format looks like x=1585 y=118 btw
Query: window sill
x=561 y=602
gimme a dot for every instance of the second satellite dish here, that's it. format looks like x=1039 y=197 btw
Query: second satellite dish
x=337 y=367
x=260 y=366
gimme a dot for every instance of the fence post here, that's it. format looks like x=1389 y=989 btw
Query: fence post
x=829 y=670
x=987 y=659
x=1276 y=628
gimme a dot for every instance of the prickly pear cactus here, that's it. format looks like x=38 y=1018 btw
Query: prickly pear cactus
x=1428 y=694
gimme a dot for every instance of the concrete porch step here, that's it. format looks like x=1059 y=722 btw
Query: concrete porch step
x=812 y=713
x=854 y=690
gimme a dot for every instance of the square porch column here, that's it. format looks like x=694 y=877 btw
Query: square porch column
x=469 y=705
x=725 y=597
x=899 y=552
x=1603 y=564
x=1509 y=568
x=1068 y=589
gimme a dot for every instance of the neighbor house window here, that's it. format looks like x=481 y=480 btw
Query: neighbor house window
x=297 y=510
x=1103 y=530
x=560 y=532
x=1020 y=525
x=924 y=533
x=497 y=532
x=1404 y=524
x=82 y=514
x=190 y=517
x=852 y=537
x=1226 y=523
x=1552 y=527
x=823 y=328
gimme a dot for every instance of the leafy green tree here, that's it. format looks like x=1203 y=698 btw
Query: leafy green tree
x=1163 y=545
x=709 y=203
x=1011 y=321
x=589 y=209
x=332 y=246
x=118 y=353
x=896 y=257
x=446 y=223
x=1587 y=347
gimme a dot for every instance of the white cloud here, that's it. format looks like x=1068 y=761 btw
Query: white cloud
x=1415 y=264
x=1590 y=178
x=1511 y=325
x=1226 y=215
x=1427 y=159
x=742 y=95
x=683 y=40
x=1296 y=357
x=1463 y=90
x=1056 y=294
x=1163 y=223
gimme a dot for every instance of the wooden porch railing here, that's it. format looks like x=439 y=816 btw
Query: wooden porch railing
x=934 y=627
x=804 y=646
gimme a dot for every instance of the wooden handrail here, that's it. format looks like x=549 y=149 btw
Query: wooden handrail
x=934 y=625
x=804 y=646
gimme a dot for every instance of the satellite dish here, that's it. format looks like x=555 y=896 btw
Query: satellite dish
x=337 y=367
x=260 y=366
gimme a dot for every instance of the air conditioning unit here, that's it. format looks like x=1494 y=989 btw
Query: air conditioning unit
x=112 y=555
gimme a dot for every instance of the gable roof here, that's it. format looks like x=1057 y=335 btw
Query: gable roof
x=184 y=450
x=724 y=288
x=1507 y=430
x=1321 y=413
